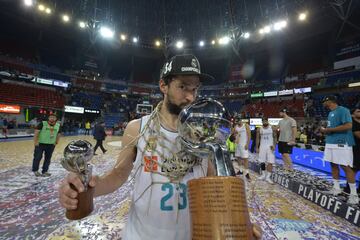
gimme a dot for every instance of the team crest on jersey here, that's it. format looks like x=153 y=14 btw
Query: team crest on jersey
x=151 y=144
x=150 y=163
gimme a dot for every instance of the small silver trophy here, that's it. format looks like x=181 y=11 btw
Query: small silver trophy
x=203 y=129
x=77 y=155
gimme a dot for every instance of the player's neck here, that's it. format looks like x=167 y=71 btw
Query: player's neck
x=167 y=119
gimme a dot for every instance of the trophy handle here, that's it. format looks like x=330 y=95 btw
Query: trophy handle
x=85 y=204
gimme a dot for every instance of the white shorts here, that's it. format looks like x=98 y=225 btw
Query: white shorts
x=266 y=155
x=241 y=152
x=339 y=154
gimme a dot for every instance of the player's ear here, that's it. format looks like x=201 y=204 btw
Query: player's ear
x=163 y=86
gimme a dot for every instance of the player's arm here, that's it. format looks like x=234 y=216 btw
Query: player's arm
x=257 y=138
x=36 y=137
x=110 y=181
x=274 y=137
x=248 y=134
x=342 y=128
x=119 y=174
x=357 y=134
x=37 y=133
x=58 y=136
x=293 y=135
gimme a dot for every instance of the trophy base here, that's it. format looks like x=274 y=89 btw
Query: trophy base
x=85 y=205
x=218 y=209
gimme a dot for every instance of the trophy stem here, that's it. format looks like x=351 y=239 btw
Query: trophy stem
x=85 y=204
x=221 y=161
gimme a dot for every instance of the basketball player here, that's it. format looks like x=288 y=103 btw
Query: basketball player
x=287 y=127
x=243 y=135
x=160 y=208
x=265 y=137
x=338 y=148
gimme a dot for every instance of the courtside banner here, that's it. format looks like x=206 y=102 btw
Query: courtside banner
x=339 y=208
x=328 y=202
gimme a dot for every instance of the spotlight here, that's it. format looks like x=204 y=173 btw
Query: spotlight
x=48 y=10
x=179 y=44
x=135 y=39
x=28 y=3
x=302 y=16
x=224 y=40
x=261 y=31
x=82 y=24
x=280 y=25
x=267 y=29
x=41 y=8
x=213 y=42
x=246 y=35
x=157 y=43
x=201 y=43
x=65 y=18
x=106 y=32
x=123 y=37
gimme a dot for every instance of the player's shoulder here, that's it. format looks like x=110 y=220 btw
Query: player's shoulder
x=133 y=126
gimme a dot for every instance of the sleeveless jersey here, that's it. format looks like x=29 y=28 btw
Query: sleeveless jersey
x=266 y=137
x=160 y=208
x=241 y=134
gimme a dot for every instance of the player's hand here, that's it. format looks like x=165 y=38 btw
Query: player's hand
x=292 y=143
x=324 y=130
x=67 y=195
x=257 y=232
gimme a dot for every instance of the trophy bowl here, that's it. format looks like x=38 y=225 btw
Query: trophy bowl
x=205 y=121
x=77 y=155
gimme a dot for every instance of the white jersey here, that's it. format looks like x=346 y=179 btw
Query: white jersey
x=159 y=209
x=241 y=135
x=266 y=137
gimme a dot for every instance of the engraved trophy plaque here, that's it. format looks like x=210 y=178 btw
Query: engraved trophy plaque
x=218 y=204
x=77 y=155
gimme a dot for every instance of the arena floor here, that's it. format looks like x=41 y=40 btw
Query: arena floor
x=29 y=207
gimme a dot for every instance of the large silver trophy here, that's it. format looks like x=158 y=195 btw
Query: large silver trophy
x=217 y=204
x=77 y=155
x=204 y=128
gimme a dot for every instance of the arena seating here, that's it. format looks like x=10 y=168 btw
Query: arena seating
x=271 y=109
x=87 y=100
x=32 y=96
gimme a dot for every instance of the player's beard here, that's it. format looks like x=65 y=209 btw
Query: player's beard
x=172 y=107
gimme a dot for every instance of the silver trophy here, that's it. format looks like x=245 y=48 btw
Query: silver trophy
x=204 y=128
x=77 y=155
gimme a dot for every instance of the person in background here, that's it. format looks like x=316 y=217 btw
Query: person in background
x=46 y=137
x=99 y=136
x=87 y=128
x=356 y=132
x=265 y=147
x=5 y=127
x=338 y=148
x=243 y=135
x=303 y=137
x=230 y=143
x=287 y=127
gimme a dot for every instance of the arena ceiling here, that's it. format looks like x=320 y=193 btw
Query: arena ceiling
x=329 y=21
